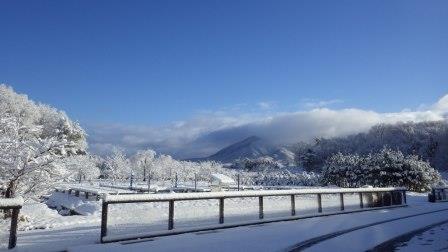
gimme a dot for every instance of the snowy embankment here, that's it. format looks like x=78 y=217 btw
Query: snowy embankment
x=39 y=216
x=76 y=204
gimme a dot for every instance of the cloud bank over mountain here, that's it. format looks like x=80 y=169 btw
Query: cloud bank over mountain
x=208 y=132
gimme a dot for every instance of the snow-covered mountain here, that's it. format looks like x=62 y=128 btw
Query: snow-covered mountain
x=251 y=147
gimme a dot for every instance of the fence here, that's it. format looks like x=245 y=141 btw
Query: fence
x=369 y=199
x=438 y=194
x=14 y=204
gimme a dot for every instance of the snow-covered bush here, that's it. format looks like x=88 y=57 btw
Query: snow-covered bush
x=32 y=137
x=384 y=168
x=286 y=178
x=258 y=164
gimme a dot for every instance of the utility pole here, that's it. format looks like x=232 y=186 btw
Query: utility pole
x=144 y=170
x=132 y=178
x=238 y=179
x=195 y=182
x=149 y=180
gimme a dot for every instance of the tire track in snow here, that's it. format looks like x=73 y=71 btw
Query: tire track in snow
x=311 y=242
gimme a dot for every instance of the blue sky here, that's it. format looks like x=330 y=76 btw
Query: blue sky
x=152 y=63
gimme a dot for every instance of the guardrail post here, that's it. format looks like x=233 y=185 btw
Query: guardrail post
x=341 y=200
x=104 y=220
x=391 y=200
x=319 y=203
x=361 y=202
x=404 y=197
x=77 y=193
x=293 y=205
x=260 y=207
x=221 y=210
x=13 y=230
x=87 y=195
x=171 y=215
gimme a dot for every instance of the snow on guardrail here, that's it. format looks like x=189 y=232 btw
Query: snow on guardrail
x=213 y=195
x=11 y=202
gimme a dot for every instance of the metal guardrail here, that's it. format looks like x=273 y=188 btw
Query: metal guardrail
x=438 y=194
x=77 y=192
x=369 y=199
x=14 y=204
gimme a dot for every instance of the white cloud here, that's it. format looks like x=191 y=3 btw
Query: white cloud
x=441 y=105
x=313 y=103
x=265 y=105
x=209 y=131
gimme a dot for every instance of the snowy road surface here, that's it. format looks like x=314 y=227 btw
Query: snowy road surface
x=283 y=236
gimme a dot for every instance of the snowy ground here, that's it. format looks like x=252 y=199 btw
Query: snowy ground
x=46 y=230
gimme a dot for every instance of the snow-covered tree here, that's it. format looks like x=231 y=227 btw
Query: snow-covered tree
x=143 y=162
x=80 y=167
x=205 y=169
x=164 y=167
x=384 y=168
x=32 y=137
x=309 y=160
x=117 y=165
x=428 y=140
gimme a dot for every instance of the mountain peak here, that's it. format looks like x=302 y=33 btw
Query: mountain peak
x=248 y=140
x=250 y=147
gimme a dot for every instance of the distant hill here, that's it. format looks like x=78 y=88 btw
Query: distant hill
x=251 y=147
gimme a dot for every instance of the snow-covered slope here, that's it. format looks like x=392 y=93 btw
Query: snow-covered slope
x=251 y=147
